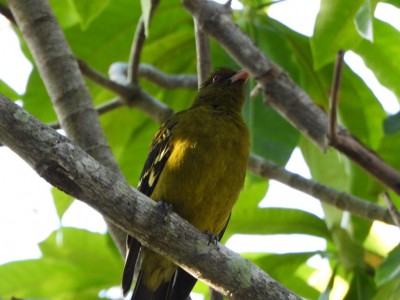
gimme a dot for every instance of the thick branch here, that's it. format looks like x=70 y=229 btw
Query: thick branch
x=73 y=171
x=282 y=93
x=64 y=83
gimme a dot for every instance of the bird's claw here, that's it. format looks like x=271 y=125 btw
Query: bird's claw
x=212 y=238
x=166 y=208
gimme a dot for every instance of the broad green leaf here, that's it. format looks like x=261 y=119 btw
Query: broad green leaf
x=276 y=221
x=389 y=291
x=43 y=278
x=327 y=168
x=356 y=99
x=76 y=264
x=361 y=287
x=101 y=45
x=279 y=266
x=65 y=12
x=291 y=51
x=334 y=30
x=62 y=201
x=381 y=56
x=272 y=136
x=364 y=21
x=78 y=245
x=388 y=150
x=89 y=10
x=390 y=267
x=7 y=91
x=351 y=253
x=36 y=100
x=391 y=124
x=252 y=194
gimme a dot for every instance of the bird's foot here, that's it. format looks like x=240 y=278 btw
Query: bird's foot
x=166 y=208
x=212 y=238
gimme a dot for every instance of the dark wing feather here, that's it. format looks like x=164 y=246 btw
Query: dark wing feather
x=160 y=150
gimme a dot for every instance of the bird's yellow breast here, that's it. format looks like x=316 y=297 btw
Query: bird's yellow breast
x=205 y=171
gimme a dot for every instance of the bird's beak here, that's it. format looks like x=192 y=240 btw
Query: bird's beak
x=240 y=75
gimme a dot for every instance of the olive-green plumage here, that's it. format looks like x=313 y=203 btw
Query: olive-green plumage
x=197 y=163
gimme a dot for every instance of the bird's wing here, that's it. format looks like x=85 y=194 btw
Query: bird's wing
x=160 y=150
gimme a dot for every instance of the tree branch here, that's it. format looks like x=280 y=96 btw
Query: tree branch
x=392 y=209
x=367 y=210
x=203 y=56
x=6 y=12
x=281 y=93
x=133 y=96
x=167 y=81
x=268 y=169
x=333 y=101
x=65 y=85
x=137 y=45
x=73 y=171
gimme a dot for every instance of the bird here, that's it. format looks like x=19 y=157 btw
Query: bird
x=197 y=164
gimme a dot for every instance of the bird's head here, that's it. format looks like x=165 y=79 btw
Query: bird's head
x=224 y=88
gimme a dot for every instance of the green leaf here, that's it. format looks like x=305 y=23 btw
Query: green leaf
x=389 y=290
x=391 y=124
x=65 y=12
x=36 y=99
x=280 y=265
x=351 y=253
x=390 y=267
x=276 y=221
x=271 y=135
x=76 y=264
x=361 y=287
x=62 y=201
x=364 y=21
x=381 y=56
x=7 y=91
x=88 y=10
x=334 y=30
x=324 y=168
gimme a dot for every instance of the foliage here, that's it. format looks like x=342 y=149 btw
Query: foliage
x=77 y=264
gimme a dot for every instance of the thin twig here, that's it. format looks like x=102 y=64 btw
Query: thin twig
x=118 y=72
x=333 y=101
x=137 y=46
x=392 y=208
x=133 y=96
x=202 y=53
x=365 y=209
x=136 y=50
x=100 y=79
x=101 y=109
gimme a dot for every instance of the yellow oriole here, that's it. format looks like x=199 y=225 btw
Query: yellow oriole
x=197 y=163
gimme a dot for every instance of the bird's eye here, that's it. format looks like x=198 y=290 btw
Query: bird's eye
x=216 y=79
